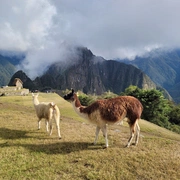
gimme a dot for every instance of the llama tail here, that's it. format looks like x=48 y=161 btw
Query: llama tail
x=55 y=109
x=56 y=115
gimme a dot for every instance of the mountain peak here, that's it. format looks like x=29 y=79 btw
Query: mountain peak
x=92 y=74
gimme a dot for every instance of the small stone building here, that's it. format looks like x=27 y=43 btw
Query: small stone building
x=18 y=83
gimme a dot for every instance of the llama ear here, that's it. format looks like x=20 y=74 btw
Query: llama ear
x=72 y=91
x=52 y=104
x=33 y=94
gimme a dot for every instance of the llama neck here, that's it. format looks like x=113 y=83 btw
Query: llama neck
x=36 y=101
x=76 y=102
x=78 y=107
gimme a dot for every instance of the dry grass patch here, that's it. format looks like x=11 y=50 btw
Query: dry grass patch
x=26 y=153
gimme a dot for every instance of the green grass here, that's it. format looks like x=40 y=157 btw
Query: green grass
x=28 y=153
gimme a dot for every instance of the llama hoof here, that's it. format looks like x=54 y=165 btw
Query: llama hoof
x=127 y=146
x=105 y=146
x=134 y=144
x=60 y=137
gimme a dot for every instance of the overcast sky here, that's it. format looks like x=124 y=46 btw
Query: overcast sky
x=43 y=29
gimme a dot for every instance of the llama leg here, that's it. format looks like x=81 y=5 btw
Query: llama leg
x=47 y=124
x=50 y=127
x=97 y=133
x=104 y=130
x=39 y=124
x=58 y=128
x=132 y=131
x=138 y=132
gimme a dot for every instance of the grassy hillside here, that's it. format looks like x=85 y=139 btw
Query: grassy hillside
x=28 y=153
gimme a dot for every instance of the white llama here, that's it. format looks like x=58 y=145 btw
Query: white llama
x=48 y=111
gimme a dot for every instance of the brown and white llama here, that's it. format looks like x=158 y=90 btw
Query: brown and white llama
x=110 y=111
x=48 y=111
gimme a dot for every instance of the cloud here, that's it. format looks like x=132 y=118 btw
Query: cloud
x=110 y=28
x=37 y=61
x=114 y=28
x=25 y=25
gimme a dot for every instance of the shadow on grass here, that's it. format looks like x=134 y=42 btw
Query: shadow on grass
x=60 y=147
x=6 y=133
x=56 y=148
x=14 y=134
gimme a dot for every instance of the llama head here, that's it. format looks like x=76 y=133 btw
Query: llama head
x=52 y=105
x=35 y=95
x=35 y=98
x=70 y=96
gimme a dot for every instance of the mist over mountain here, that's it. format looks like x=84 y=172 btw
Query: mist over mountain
x=163 y=68
x=7 y=69
x=90 y=74
x=94 y=74
x=9 y=62
x=47 y=31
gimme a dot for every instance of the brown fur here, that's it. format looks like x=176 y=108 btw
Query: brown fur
x=110 y=111
x=115 y=109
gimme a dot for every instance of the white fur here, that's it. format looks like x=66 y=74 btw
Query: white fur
x=96 y=113
x=48 y=111
x=95 y=119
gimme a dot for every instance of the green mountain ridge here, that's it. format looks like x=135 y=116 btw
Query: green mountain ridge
x=163 y=68
x=6 y=70
x=93 y=74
